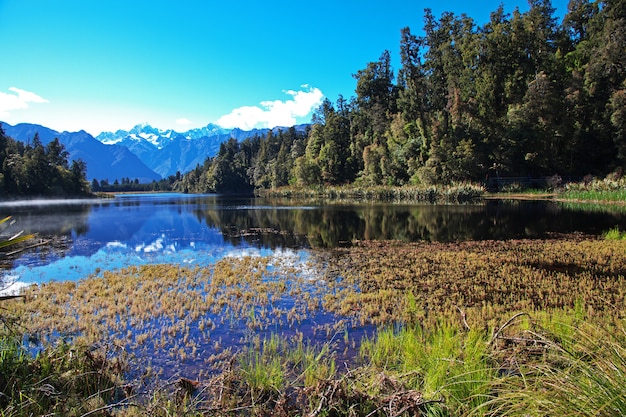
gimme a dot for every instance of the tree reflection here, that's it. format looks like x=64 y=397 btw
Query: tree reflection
x=338 y=225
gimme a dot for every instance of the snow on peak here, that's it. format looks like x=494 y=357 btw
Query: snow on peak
x=158 y=137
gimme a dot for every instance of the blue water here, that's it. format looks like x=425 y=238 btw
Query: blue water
x=111 y=234
x=89 y=236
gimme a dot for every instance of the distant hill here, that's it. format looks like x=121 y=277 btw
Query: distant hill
x=103 y=161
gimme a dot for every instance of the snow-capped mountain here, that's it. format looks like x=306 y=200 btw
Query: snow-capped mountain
x=167 y=152
x=144 y=152
x=158 y=137
x=109 y=162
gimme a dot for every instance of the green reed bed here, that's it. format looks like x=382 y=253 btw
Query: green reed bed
x=451 y=194
x=474 y=328
x=610 y=189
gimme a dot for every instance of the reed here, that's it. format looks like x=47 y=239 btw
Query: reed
x=451 y=194
x=610 y=189
x=579 y=373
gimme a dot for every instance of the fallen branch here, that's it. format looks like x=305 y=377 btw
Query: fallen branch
x=505 y=325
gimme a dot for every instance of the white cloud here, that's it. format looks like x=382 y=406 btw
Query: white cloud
x=17 y=101
x=274 y=113
x=183 y=121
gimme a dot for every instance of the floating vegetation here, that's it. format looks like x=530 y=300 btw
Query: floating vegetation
x=183 y=313
x=391 y=282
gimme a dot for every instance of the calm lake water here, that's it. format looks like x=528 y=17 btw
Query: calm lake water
x=89 y=236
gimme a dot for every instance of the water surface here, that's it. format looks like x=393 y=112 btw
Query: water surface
x=89 y=236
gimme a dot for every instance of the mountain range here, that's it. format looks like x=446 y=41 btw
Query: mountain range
x=144 y=152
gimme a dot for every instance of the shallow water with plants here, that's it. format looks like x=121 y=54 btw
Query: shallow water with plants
x=276 y=303
x=88 y=237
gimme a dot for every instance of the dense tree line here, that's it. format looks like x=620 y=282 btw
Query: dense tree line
x=128 y=185
x=257 y=162
x=521 y=95
x=33 y=169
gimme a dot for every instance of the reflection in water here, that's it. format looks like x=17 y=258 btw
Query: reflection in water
x=95 y=235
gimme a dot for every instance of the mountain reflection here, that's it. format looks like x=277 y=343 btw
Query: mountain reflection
x=178 y=228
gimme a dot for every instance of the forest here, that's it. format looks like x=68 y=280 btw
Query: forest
x=33 y=169
x=521 y=95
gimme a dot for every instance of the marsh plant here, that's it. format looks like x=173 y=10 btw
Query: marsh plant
x=610 y=189
x=474 y=328
x=464 y=192
x=580 y=372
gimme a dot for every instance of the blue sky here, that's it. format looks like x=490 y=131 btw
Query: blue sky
x=105 y=65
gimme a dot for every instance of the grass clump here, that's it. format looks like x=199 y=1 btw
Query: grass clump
x=614 y=234
x=68 y=380
x=579 y=373
x=449 y=366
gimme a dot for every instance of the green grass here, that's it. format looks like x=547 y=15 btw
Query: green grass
x=614 y=234
x=449 y=366
x=63 y=380
x=610 y=189
x=596 y=195
x=578 y=375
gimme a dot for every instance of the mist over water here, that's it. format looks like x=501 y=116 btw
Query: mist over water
x=44 y=202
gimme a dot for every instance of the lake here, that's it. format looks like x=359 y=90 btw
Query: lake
x=90 y=236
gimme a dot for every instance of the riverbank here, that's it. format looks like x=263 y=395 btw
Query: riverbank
x=456 y=323
x=608 y=191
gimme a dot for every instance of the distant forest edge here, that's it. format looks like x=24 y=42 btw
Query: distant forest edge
x=33 y=169
x=520 y=96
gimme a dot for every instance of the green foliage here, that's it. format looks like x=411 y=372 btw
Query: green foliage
x=62 y=380
x=519 y=96
x=37 y=170
x=614 y=234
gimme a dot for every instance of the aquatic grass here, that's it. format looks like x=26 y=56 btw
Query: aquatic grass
x=614 y=234
x=262 y=373
x=580 y=374
x=449 y=366
x=445 y=341
x=488 y=280
x=158 y=307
